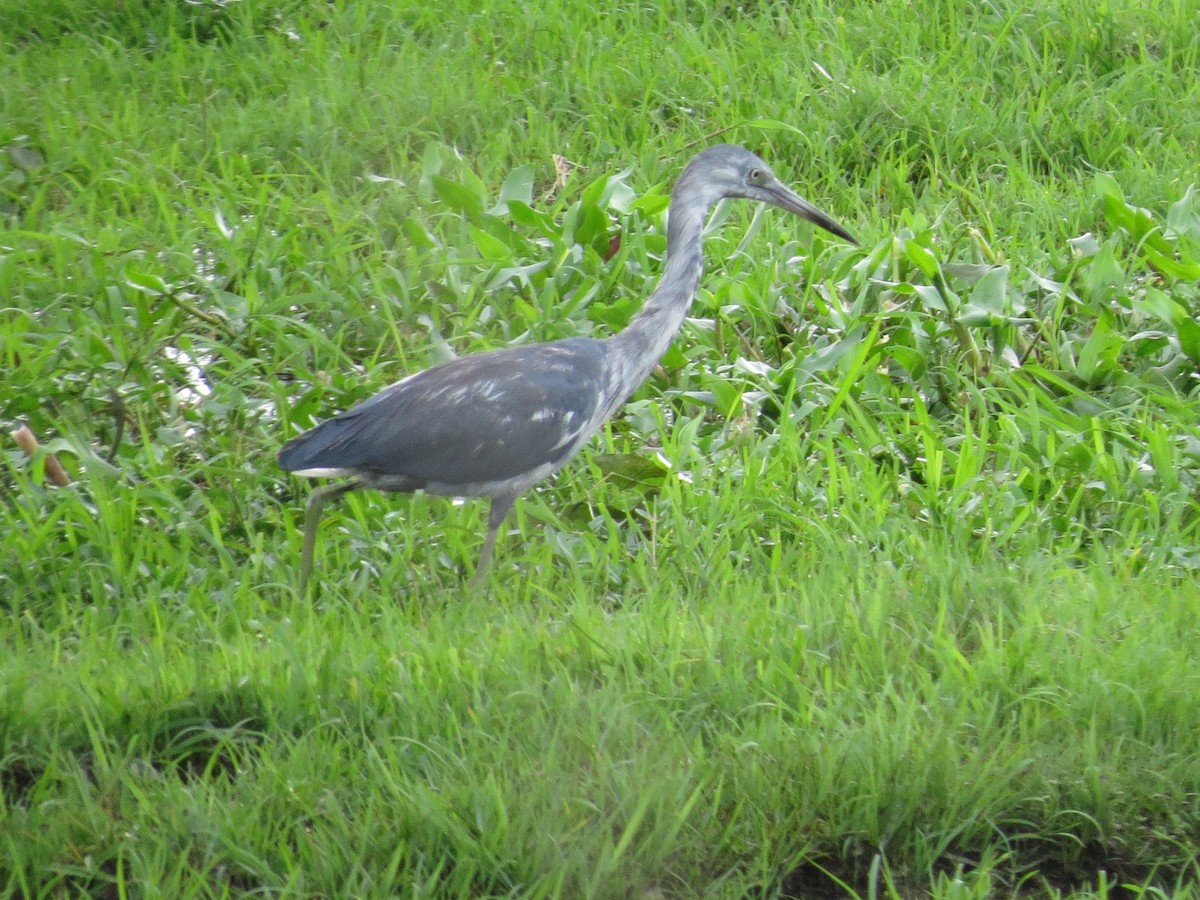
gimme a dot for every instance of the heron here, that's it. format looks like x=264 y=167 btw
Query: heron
x=494 y=424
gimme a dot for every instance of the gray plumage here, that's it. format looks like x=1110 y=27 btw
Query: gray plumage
x=494 y=424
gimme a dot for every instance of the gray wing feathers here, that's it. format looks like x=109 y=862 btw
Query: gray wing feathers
x=477 y=418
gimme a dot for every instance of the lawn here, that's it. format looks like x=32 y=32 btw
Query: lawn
x=885 y=584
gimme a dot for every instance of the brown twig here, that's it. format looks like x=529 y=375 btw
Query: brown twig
x=29 y=443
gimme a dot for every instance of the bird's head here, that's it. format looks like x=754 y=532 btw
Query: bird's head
x=727 y=170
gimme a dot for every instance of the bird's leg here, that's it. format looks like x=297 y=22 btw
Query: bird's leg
x=500 y=507
x=312 y=516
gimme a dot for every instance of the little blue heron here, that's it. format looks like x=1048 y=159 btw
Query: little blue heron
x=494 y=424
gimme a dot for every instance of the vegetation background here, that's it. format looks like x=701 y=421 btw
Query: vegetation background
x=885 y=584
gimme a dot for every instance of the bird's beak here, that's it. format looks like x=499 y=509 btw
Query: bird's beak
x=785 y=198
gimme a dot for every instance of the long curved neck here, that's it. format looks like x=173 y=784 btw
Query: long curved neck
x=637 y=349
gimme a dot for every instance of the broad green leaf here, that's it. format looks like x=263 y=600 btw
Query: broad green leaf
x=615 y=315
x=931 y=297
x=968 y=272
x=1103 y=274
x=522 y=275
x=146 y=281
x=458 y=197
x=591 y=228
x=518 y=186
x=987 y=303
x=490 y=247
x=727 y=396
x=609 y=192
x=1160 y=305
x=1183 y=270
x=650 y=204
x=417 y=234
x=634 y=468
x=1099 y=354
x=1107 y=188
x=674 y=358
x=922 y=258
x=1182 y=215
x=1188 y=332
x=1085 y=245
x=527 y=216
x=829 y=357
x=912 y=360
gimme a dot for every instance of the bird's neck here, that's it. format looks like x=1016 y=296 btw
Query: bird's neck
x=640 y=346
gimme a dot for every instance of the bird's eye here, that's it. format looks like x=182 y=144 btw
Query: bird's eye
x=757 y=176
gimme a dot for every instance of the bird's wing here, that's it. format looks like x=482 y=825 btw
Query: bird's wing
x=481 y=418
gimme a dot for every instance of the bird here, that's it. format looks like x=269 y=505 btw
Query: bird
x=494 y=424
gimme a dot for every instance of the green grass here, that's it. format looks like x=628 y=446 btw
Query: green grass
x=884 y=586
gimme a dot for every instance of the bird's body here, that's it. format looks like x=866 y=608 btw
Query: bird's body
x=471 y=443
x=494 y=424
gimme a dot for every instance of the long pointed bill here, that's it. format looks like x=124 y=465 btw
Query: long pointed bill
x=785 y=198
